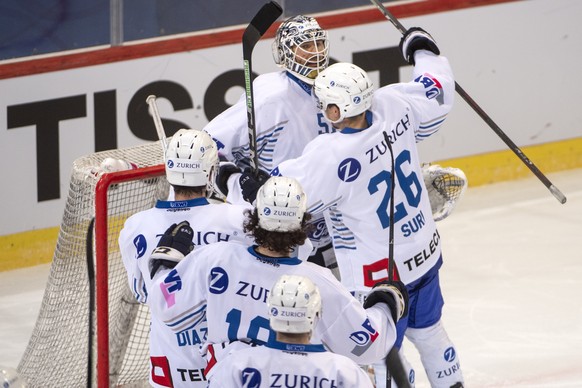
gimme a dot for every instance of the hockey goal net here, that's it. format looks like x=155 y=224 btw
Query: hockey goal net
x=58 y=353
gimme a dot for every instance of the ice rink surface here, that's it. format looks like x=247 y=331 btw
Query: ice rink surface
x=512 y=281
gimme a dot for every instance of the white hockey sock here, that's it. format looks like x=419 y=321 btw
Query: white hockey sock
x=438 y=355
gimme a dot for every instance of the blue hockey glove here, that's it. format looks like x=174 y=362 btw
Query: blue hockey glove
x=414 y=39
x=250 y=184
x=225 y=170
x=393 y=293
x=175 y=243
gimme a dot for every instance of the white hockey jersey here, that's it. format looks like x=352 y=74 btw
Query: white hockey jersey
x=286 y=120
x=175 y=355
x=233 y=283
x=279 y=364
x=349 y=173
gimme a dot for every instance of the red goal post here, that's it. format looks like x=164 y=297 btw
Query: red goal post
x=101 y=259
x=63 y=345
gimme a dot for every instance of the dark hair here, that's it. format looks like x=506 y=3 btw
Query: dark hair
x=276 y=241
x=189 y=191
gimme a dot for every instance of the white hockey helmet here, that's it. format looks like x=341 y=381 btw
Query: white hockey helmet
x=191 y=159
x=294 y=304
x=301 y=46
x=281 y=204
x=345 y=85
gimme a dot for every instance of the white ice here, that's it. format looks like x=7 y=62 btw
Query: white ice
x=512 y=282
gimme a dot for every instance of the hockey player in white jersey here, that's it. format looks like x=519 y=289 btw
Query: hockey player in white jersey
x=350 y=174
x=286 y=114
x=232 y=283
x=191 y=161
x=290 y=360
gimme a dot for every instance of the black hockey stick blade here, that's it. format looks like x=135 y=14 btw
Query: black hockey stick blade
x=266 y=16
x=396 y=368
x=488 y=120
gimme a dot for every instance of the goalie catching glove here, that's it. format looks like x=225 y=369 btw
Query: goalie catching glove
x=446 y=186
x=393 y=293
x=176 y=242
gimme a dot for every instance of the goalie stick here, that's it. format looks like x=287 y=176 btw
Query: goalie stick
x=266 y=16
x=512 y=146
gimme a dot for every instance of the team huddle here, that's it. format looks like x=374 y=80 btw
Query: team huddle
x=284 y=281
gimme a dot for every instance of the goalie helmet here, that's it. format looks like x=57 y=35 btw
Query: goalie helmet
x=301 y=46
x=191 y=159
x=281 y=204
x=345 y=85
x=294 y=305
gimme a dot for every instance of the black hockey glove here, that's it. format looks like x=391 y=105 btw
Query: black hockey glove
x=394 y=294
x=225 y=170
x=176 y=242
x=250 y=184
x=414 y=39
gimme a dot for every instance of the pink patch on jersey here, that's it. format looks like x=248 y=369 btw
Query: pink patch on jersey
x=168 y=296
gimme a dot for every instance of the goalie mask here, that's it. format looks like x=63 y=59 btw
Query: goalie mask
x=294 y=305
x=346 y=86
x=191 y=159
x=281 y=204
x=301 y=46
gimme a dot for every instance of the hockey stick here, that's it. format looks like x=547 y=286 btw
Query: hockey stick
x=512 y=146
x=151 y=100
x=394 y=367
x=252 y=34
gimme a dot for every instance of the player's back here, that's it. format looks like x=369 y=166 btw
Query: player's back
x=210 y=222
x=173 y=352
x=233 y=282
x=288 y=365
x=350 y=173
